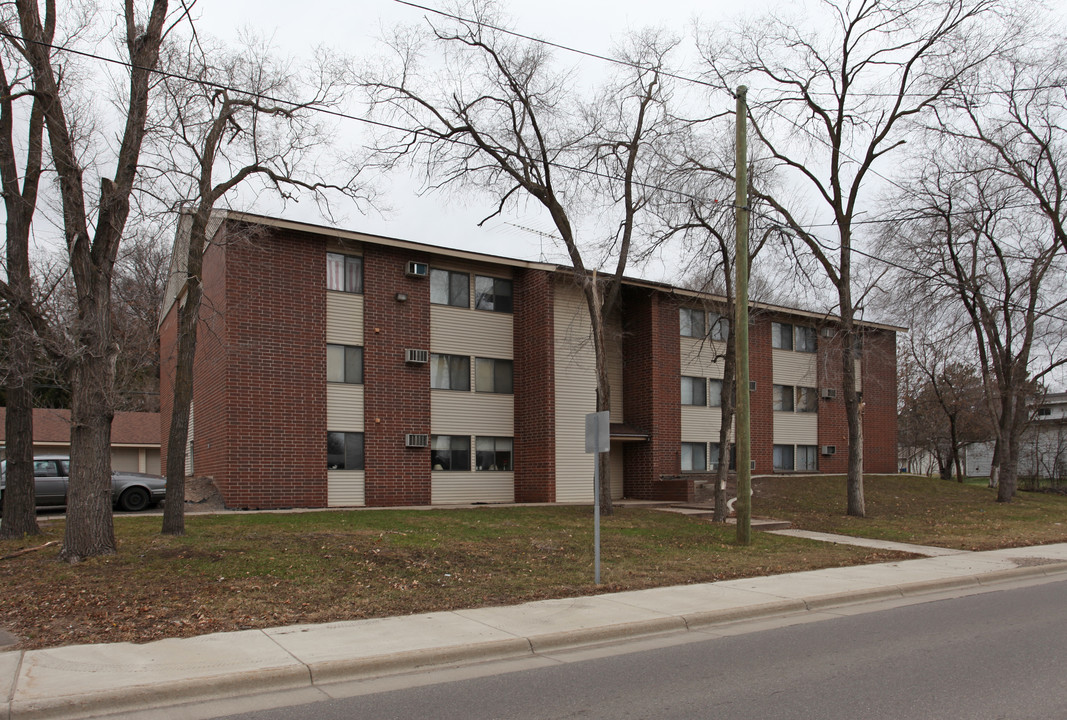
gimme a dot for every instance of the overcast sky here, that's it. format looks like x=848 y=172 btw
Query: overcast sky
x=354 y=27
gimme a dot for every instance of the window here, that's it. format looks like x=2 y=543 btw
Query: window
x=344 y=364
x=807 y=457
x=781 y=336
x=1044 y=412
x=783 y=457
x=450 y=372
x=694 y=457
x=694 y=391
x=344 y=451
x=492 y=294
x=691 y=322
x=807 y=400
x=493 y=453
x=715 y=393
x=493 y=376
x=344 y=273
x=450 y=288
x=718 y=327
x=857 y=345
x=450 y=452
x=783 y=398
x=805 y=337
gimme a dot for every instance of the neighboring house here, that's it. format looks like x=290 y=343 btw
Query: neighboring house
x=134 y=437
x=1043 y=447
x=340 y=369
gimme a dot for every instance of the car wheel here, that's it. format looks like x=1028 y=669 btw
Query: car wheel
x=134 y=499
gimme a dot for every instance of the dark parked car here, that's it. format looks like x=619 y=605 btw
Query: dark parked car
x=129 y=490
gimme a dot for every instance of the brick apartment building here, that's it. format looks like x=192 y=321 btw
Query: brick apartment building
x=342 y=369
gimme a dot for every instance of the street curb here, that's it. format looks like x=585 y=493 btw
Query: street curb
x=162 y=695
x=302 y=676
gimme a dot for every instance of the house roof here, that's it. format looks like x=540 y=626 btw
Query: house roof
x=176 y=284
x=128 y=428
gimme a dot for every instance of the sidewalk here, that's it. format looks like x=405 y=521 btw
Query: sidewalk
x=98 y=680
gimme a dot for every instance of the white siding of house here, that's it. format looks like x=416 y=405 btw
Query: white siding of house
x=344 y=407
x=698 y=357
x=700 y=424
x=449 y=488
x=453 y=412
x=575 y=375
x=791 y=428
x=795 y=368
x=344 y=318
x=859 y=375
x=344 y=488
x=478 y=333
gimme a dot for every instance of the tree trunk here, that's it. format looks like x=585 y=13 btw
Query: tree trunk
x=90 y=526
x=19 y=501
x=853 y=413
x=188 y=321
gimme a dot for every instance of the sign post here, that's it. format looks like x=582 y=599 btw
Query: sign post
x=597 y=440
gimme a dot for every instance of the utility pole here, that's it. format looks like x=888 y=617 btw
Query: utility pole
x=744 y=415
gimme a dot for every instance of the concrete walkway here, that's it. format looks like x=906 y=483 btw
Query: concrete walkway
x=99 y=680
x=926 y=550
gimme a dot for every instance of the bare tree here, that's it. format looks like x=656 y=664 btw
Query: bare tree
x=226 y=118
x=828 y=106
x=138 y=286
x=20 y=189
x=496 y=117
x=972 y=240
x=93 y=235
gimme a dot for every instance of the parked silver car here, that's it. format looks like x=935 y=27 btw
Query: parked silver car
x=130 y=491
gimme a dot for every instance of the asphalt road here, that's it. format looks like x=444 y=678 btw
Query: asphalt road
x=999 y=654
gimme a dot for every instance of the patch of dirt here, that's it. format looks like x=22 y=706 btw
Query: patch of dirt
x=201 y=495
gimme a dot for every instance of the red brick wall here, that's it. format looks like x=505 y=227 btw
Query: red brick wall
x=761 y=371
x=535 y=394
x=263 y=375
x=396 y=394
x=880 y=401
x=211 y=428
x=833 y=423
x=652 y=389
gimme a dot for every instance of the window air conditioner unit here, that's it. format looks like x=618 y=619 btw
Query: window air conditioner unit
x=415 y=440
x=417 y=269
x=829 y=449
x=829 y=393
x=417 y=357
x=827 y=332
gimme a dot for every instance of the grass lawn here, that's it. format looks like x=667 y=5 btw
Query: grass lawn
x=916 y=509
x=251 y=570
x=254 y=570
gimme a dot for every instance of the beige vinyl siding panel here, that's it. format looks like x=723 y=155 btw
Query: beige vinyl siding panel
x=455 y=412
x=344 y=318
x=344 y=407
x=700 y=424
x=698 y=357
x=796 y=428
x=795 y=368
x=450 y=488
x=575 y=376
x=859 y=375
x=480 y=333
x=344 y=488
